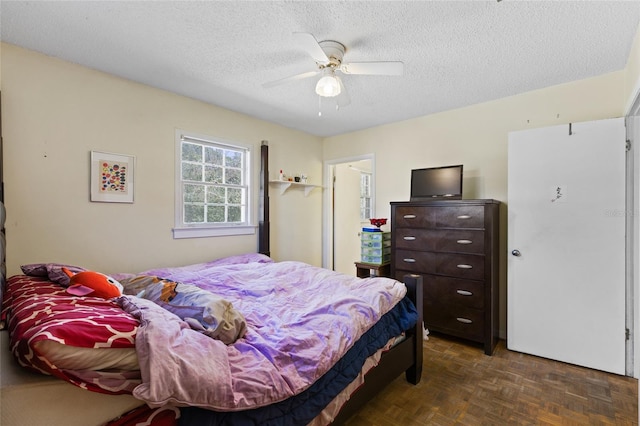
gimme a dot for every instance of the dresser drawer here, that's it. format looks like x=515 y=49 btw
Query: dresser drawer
x=453 y=292
x=452 y=241
x=459 y=217
x=413 y=217
x=462 y=322
x=439 y=217
x=468 y=266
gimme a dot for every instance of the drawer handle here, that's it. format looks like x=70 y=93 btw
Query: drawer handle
x=463 y=266
x=409 y=238
x=409 y=216
x=409 y=260
x=464 y=293
x=464 y=241
x=464 y=216
x=464 y=320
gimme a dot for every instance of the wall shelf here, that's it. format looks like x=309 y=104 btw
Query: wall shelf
x=284 y=185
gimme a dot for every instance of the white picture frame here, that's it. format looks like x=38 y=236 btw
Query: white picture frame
x=112 y=177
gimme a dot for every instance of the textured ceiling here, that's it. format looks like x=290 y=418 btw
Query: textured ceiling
x=455 y=53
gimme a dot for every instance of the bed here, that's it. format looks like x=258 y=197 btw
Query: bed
x=290 y=344
x=289 y=327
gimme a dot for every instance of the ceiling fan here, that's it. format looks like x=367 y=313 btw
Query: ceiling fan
x=328 y=55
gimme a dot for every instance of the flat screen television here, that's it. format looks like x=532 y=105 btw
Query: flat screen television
x=436 y=183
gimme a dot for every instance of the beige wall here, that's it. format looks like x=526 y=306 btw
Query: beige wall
x=54 y=113
x=475 y=136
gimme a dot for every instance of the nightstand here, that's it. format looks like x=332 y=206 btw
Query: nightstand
x=366 y=270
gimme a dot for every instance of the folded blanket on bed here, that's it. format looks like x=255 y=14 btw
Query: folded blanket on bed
x=204 y=311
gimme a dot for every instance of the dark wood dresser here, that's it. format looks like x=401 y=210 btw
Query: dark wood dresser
x=453 y=244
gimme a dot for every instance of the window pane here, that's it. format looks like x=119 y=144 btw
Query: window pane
x=233 y=177
x=233 y=159
x=364 y=214
x=365 y=196
x=366 y=211
x=211 y=179
x=192 y=172
x=215 y=214
x=213 y=174
x=191 y=152
x=215 y=194
x=234 y=196
x=194 y=193
x=235 y=214
x=213 y=155
x=365 y=185
x=193 y=213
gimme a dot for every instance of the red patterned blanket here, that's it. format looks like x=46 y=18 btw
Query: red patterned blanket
x=38 y=310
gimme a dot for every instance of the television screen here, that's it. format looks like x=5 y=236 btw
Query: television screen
x=436 y=183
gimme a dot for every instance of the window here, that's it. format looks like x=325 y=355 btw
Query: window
x=212 y=187
x=365 y=196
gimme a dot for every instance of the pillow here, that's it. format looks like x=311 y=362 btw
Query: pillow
x=51 y=270
x=202 y=310
x=35 y=269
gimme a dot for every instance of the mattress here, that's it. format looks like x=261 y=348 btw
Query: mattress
x=33 y=399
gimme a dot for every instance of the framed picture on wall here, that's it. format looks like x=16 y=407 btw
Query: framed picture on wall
x=112 y=177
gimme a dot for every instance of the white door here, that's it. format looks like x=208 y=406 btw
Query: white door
x=347 y=224
x=566 y=242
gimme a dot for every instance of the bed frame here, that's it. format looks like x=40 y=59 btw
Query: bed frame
x=405 y=357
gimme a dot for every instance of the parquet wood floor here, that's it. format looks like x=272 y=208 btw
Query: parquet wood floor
x=462 y=386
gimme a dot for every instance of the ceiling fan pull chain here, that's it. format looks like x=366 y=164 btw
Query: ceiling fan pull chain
x=319 y=106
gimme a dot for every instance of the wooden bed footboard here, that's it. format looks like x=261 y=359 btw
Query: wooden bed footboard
x=405 y=357
x=414 y=290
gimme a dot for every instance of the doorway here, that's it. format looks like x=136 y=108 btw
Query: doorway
x=343 y=210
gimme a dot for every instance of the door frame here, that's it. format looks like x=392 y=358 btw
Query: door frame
x=633 y=237
x=328 y=205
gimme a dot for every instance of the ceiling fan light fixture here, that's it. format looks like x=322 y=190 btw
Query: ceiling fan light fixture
x=328 y=86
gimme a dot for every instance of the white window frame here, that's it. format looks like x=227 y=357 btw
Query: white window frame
x=183 y=230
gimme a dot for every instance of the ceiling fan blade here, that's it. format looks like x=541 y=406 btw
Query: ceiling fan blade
x=309 y=43
x=373 y=68
x=289 y=79
x=343 y=98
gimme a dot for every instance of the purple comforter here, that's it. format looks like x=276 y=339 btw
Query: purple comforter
x=301 y=319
